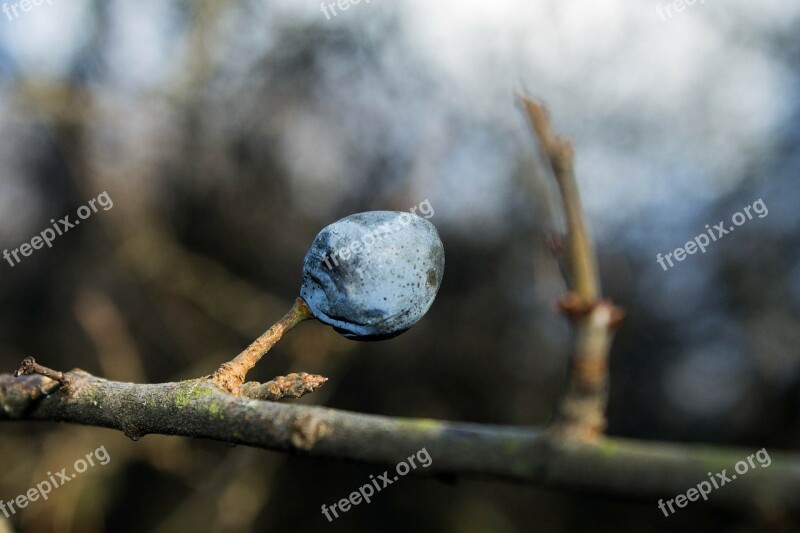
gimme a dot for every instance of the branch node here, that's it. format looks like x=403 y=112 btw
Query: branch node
x=575 y=306
x=307 y=430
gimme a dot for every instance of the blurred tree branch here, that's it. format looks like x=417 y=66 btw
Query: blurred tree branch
x=582 y=410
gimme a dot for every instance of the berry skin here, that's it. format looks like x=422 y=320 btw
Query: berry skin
x=373 y=275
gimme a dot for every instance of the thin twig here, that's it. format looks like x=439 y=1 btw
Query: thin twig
x=231 y=375
x=560 y=155
x=581 y=413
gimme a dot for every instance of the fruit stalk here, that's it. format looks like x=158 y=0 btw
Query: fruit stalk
x=231 y=375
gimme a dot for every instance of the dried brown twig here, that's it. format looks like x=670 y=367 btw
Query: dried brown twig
x=230 y=376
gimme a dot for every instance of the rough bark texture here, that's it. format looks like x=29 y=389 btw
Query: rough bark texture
x=198 y=408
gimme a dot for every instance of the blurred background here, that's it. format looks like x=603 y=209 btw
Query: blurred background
x=228 y=133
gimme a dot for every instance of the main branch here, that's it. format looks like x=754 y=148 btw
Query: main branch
x=200 y=409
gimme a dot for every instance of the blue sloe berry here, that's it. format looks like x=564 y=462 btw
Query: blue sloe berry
x=373 y=275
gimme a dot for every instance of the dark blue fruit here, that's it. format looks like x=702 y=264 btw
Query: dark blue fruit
x=373 y=275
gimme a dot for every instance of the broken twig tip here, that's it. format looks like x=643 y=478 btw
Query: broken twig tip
x=30 y=366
